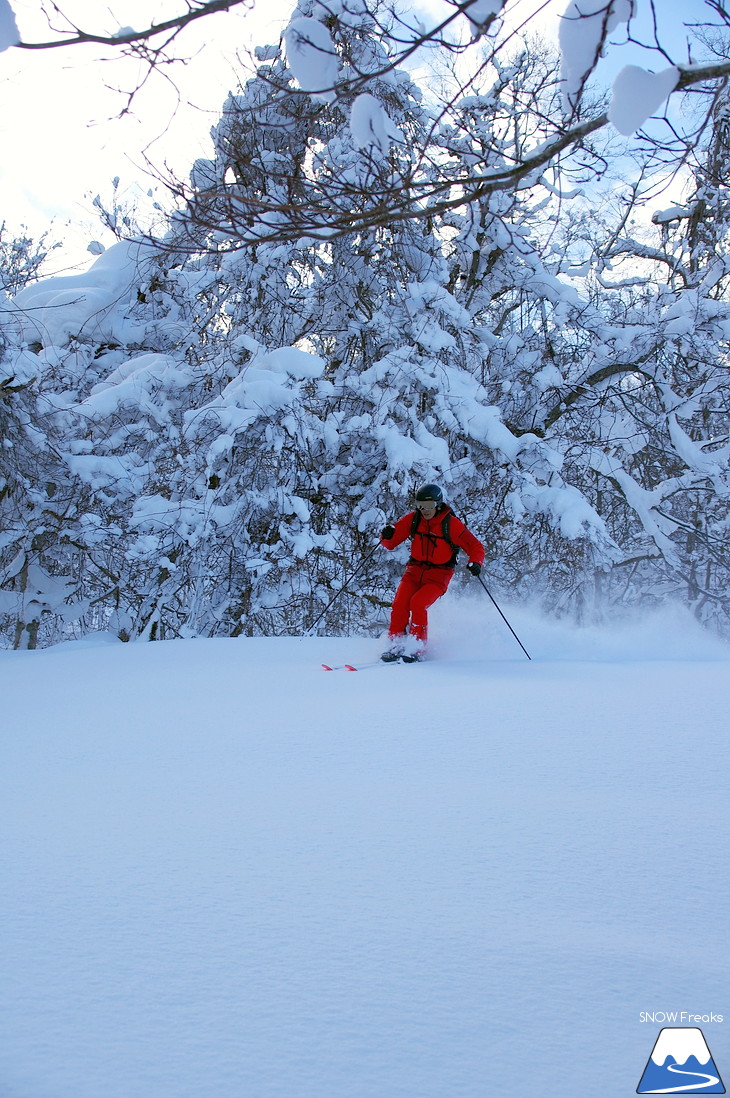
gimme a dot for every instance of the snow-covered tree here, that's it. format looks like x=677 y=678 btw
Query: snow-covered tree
x=678 y=479
x=208 y=431
x=625 y=378
x=407 y=394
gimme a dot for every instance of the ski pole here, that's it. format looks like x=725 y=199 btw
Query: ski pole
x=504 y=618
x=344 y=587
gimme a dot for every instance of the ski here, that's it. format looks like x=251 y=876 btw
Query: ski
x=367 y=666
x=351 y=667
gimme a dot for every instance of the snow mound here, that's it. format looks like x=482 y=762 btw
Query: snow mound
x=53 y=310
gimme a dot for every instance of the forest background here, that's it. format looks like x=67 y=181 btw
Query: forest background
x=424 y=246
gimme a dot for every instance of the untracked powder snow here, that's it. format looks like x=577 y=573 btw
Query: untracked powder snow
x=227 y=873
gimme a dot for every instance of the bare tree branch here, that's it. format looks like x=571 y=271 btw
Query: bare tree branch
x=127 y=38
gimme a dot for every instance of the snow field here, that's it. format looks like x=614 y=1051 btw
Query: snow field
x=229 y=873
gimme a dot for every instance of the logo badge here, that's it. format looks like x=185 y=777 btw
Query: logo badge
x=680 y=1063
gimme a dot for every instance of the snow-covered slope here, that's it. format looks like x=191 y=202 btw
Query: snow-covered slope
x=227 y=873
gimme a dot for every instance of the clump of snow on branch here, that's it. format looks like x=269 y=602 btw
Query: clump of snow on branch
x=371 y=127
x=583 y=30
x=481 y=10
x=312 y=57
x=203 y=175
x=638 y=94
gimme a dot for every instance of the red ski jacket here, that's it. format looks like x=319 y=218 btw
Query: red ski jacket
x=429 y=545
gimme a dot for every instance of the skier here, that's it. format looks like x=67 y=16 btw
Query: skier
x=436 y=536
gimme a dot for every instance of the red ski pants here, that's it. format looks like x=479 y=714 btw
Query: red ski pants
x=419 y=589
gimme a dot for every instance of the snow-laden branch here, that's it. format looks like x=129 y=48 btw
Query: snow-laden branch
x=337 y=206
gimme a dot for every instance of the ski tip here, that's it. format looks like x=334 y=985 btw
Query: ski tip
x=326 y=667
x=349 y=667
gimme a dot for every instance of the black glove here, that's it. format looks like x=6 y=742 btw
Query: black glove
x=474 y=568
x=387 y=532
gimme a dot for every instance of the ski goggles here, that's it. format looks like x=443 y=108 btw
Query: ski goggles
x=426 y=504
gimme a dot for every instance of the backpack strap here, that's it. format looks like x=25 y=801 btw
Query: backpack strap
x=446 y=531
x=415 y=522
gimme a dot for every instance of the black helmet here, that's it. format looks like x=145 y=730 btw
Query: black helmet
x=429 y=491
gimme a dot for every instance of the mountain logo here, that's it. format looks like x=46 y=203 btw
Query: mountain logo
x=680 y=1063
